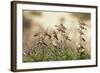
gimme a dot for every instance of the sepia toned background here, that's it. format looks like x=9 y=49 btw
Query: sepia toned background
x=66 y=35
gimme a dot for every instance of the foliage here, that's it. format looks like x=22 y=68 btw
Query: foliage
x=50 y=47
x=54 y=56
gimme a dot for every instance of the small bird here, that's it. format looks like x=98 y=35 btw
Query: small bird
x=55 y=35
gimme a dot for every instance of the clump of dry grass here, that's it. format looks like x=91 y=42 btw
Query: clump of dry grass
x=49 y=47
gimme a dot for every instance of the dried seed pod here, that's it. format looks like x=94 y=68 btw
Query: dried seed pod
x=62 y=26
x=46 y=34
x=82 y=23
x=55 y=35
x=67 y=37
x=41 y=41
x=81 y=32
x=82 y=27
x=83 y=39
